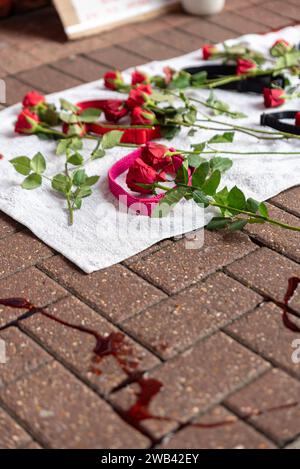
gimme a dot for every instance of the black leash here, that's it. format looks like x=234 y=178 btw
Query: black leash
x=274 y=120
x=252 y=85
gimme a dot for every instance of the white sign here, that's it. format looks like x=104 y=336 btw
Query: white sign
x=84 y=17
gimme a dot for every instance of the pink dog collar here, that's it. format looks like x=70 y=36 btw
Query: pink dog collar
x=143 y=205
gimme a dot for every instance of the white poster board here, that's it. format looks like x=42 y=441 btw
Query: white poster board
x=85 y=17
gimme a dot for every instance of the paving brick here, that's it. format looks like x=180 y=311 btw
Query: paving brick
x=176 y=267
x=150 y=49
x=177 y=18
x=116 y=57
x=48 y=79
x=31 y=284
x=238 y=24
x=21 y=251
x=178 y=39
x=64 y=413
x=206 y=30
x=13 y=60
x=267 y=272
x=31 y=445
x=177 y=323
x=266 y=17
x=274 y=389
x=116 y=291
x=16 y=90
x=233 y=436
x=150 y=27
x=238 y=4
x=76 y=348
x=22 y=356
x=80 y=68
x=285 y=241
x=195 y=381
x=141 y=255
x=294 y=445
x=7 y=225
x=263 y=331
x=289 y=200
x=12 y=435
x=291 y=11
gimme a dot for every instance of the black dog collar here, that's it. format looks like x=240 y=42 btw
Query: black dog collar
x=274 y=120
x=253 y=84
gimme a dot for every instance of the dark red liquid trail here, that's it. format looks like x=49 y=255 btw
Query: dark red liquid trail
x=115 y=345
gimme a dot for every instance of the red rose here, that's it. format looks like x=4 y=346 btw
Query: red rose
x=140 y=116
x=78 y=129
x=139 y=96
x=208 y=51
x=139 y=77
x=33 y=99
x=141 y=173
x=280 y=47
x=113 y=80
x=273 y=97
x=114 y=110
x=27 y=122
x=298 y=118
x=244 y=66
x=154 y=154
x=169 y=73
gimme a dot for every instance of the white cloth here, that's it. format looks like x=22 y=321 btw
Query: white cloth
x=102 y=236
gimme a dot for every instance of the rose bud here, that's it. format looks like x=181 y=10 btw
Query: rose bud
x=113 y=80
x=280 y=47
x=273 y=97
x=79 y=129
x=298 y=118
x=138 y=77
x=140 y=116
x=114 y=110
x=208 y=51
x=33 y=99
x=169 y=73
x=244 y=66
x=139 y=96
x=27 y=122
x=154 y=154
x=141 y=173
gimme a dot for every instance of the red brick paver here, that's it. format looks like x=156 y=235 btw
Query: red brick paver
x=205 y=323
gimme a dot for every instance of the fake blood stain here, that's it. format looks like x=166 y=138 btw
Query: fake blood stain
x=115 y=345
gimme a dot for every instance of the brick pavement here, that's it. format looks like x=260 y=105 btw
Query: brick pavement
x=205 y=323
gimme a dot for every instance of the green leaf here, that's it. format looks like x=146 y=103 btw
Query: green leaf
x=218 y=223
x=182 y=174
x=169 y=131
x=199 y=78
x=252 y=205
x=111 y=139
x=199 y=147
x=200 y=174
x=180 y=80
x=69 y=118
x=78 y=203
x=33 y=181
x=67 y=106
x=166 y=204
x=236 y=198
x=192 y=132
x=84 y=191
x=38 y=163
x=21 y=165
x=238 y=225
x=62 y=146
x=195 y=160
x=222 y=164
x=76 y=159
x=99 y=153
x=90 y=115
x=227 y=137
x=75 y=143
x=200 y=198
x=61 y=183
x=92 y=180
x=263 y=210
x=211 y=184
x=79 y=177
